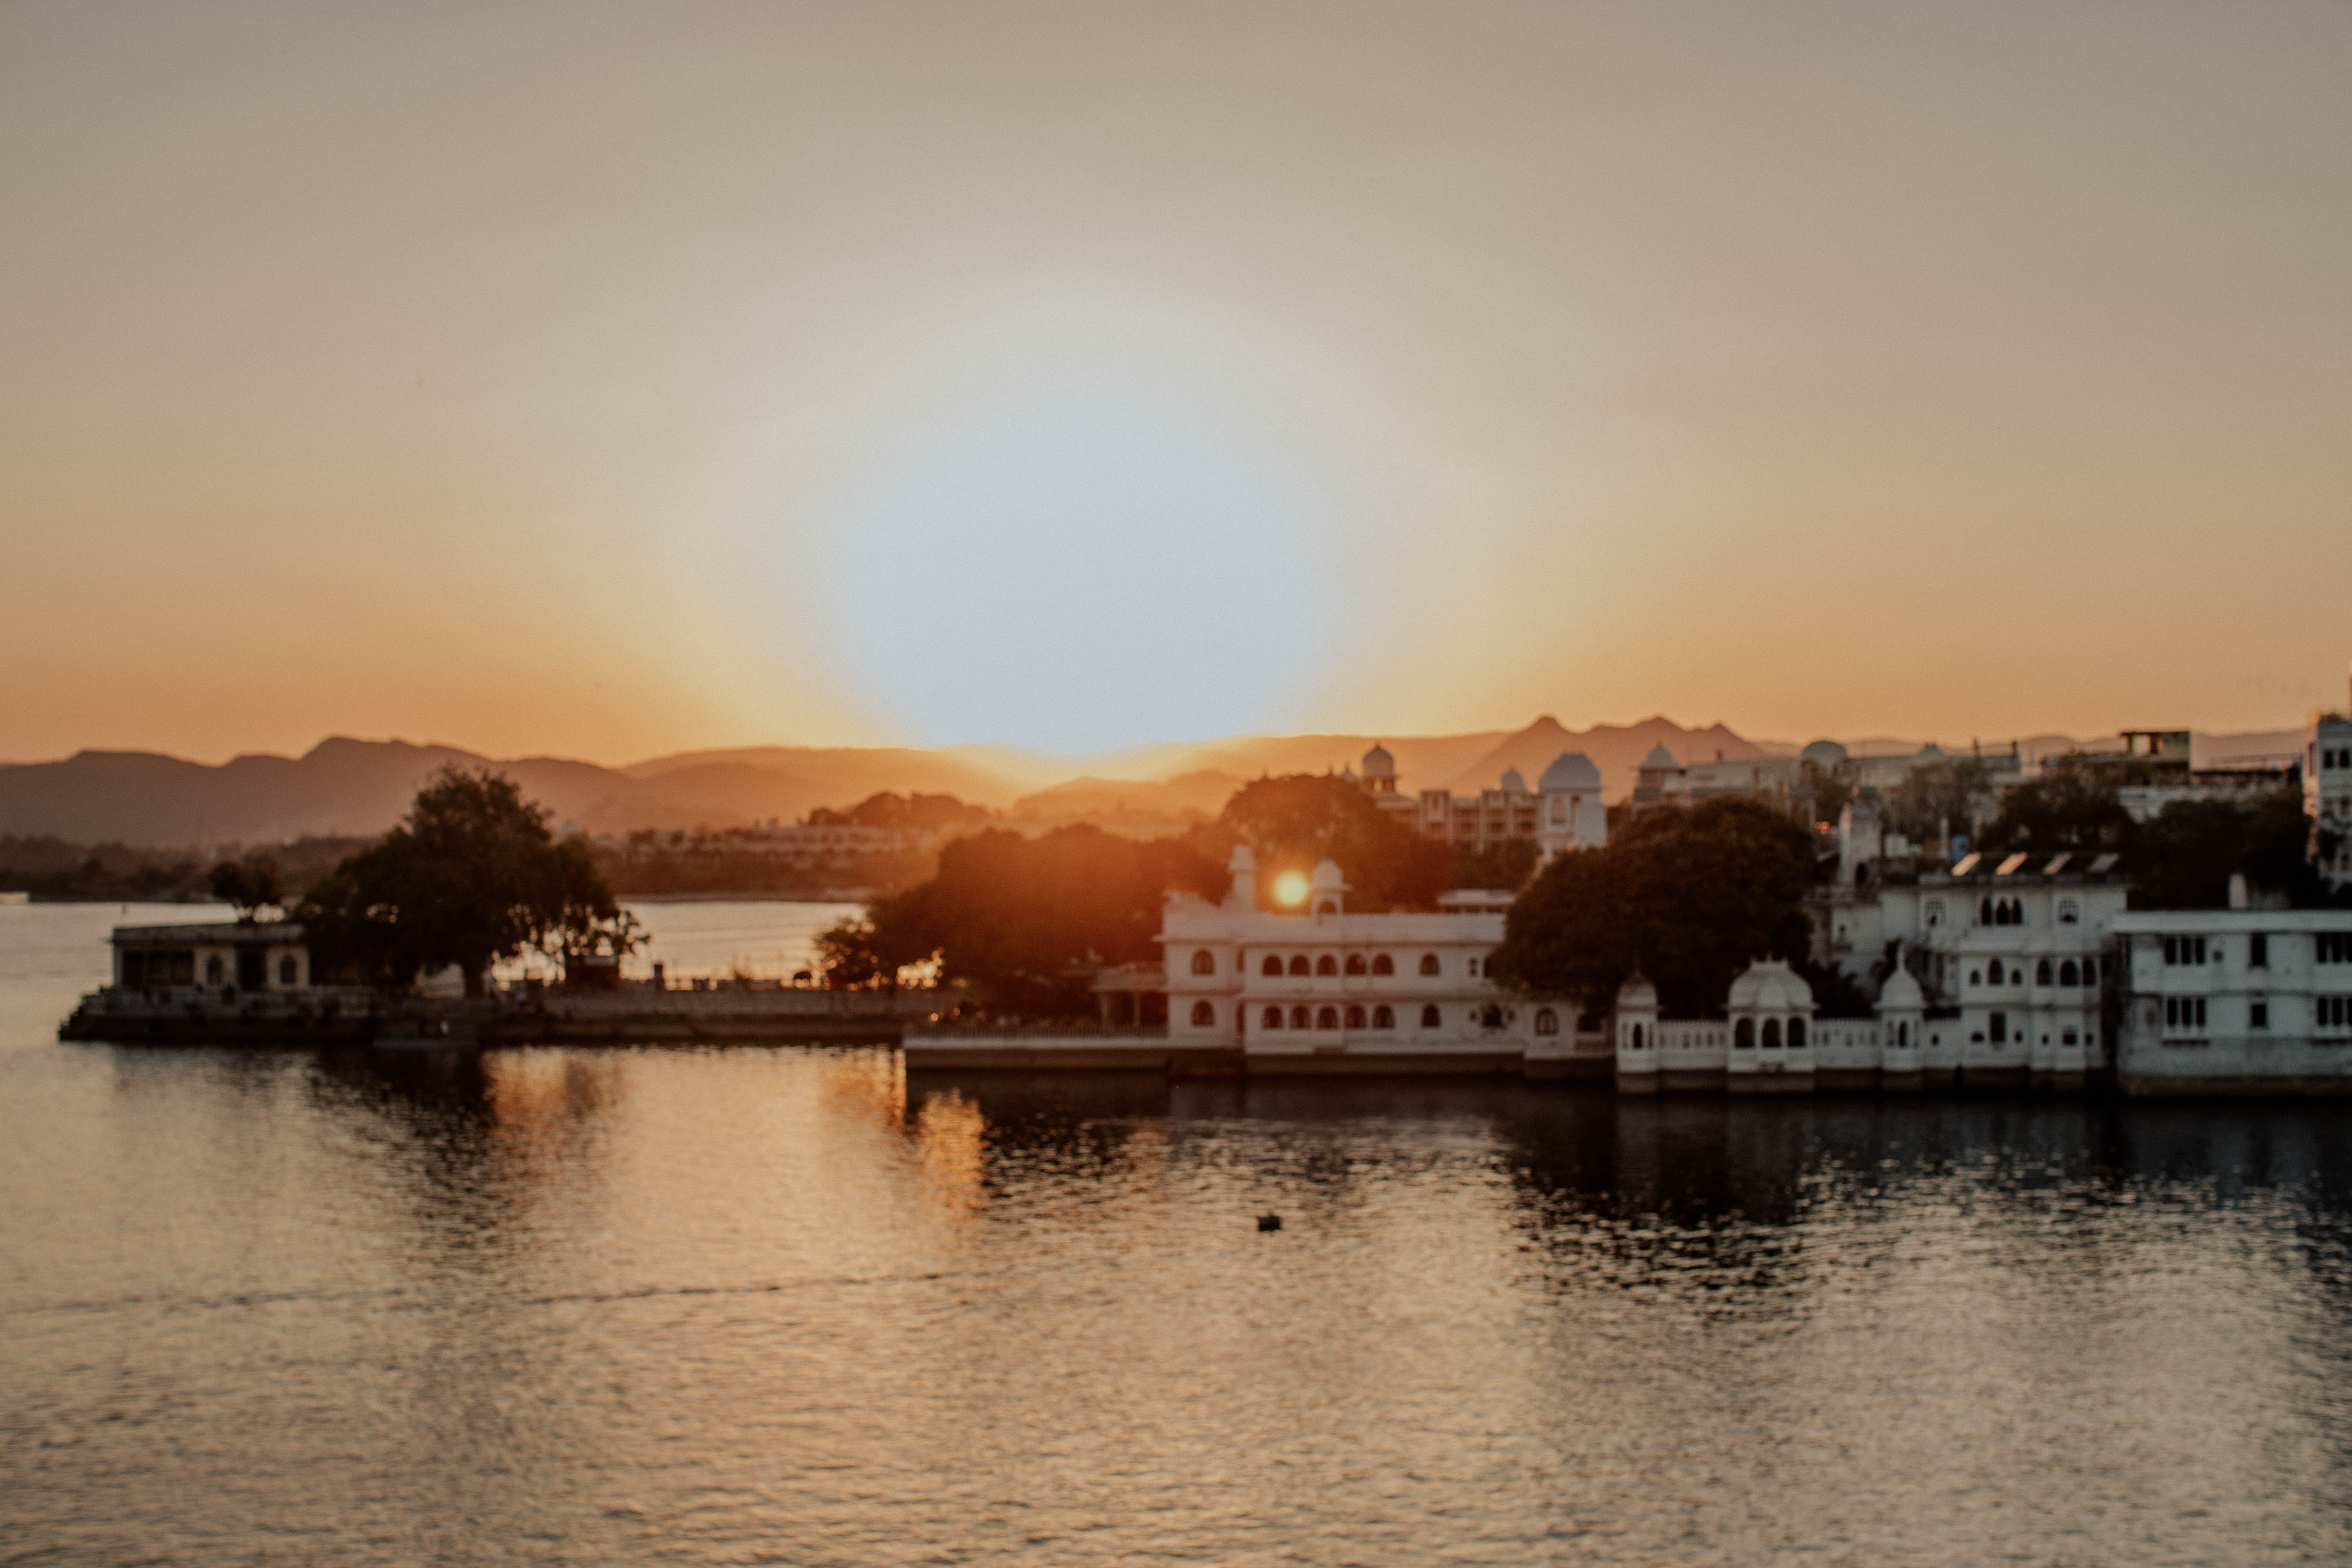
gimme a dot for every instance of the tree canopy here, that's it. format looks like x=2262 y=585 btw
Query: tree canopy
x=472 y=876
x=1024 y=922
x=2183 y=858
x=252 y=884
x=1929 y=798
x=1688 y=896
x=1295 y=820
x=2070 y=808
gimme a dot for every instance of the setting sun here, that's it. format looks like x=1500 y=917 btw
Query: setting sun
x=1290 y=889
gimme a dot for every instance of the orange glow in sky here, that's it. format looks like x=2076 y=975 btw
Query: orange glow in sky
x=606 y=379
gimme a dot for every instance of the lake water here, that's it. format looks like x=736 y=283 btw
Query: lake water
x=753 y=1305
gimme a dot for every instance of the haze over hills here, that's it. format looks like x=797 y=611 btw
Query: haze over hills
x=345 y=787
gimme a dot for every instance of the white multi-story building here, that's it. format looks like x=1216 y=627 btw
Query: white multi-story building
x=1324 y=990
x=1562 y=813
x=2234 y=1001
x=2327 y=795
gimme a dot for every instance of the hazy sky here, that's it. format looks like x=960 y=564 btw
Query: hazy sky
x=614 y=379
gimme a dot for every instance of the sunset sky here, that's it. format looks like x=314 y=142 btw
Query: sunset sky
x=609 y=380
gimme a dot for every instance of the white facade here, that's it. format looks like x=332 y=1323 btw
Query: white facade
x=1325 y=990
x=1764 y=1044
x=250 y=956
x=2327 y=794
x=1562 y=813
x=2236 y=1001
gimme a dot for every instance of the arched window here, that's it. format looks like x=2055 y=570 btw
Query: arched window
x=1547 y=1021
x=1429 y=1016
x=1901 y=1034
x=1771 y=1034
x=1383 y=1016
x=1382 y=964
x=1298 y=964
x=1204 y=1016
x=2069 y=975
x=1743 y=1035
x=2042 y=973
x=1995 y=974
x=1491 y=1018
x=1796 y=1033
x=1984 y=910
x=1639 y=1043
x=1976 y=977
x=1326 y=964
x=1204 y=962
x=1355 y=1018
x=1274 y=1018
x=1935 y=912
x=2090 y=972
x=213 y=969
x=1429 y=963
x=287 y=970
x=1355 y=963
x=1300 y=1018
x=2069 y=912
x=1329 y=1018
x=1273 y=966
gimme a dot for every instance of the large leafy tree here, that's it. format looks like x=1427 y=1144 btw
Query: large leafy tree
x=2069 y=808
x=2184 y=857
x=1938 y=795
x=1688 y=896
x=1294 y=821
x=252 y=884
x=471 y=877
x=1025 y=921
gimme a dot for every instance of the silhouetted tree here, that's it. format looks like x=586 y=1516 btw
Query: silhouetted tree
x=1025 y=921
x=251 y=884
x=2069 y=808
x=1294 y=821
x=471 y=877
x=1687 y=895
x=1507 y=865
x=1956 y=793
x=2183 y=858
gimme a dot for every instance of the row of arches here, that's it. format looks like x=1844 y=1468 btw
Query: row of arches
x=1274 y=967
x=2065 y=972
x=1381 y=1018
x=1744 y=1035
x=1491 y=1016
x=1992 y=912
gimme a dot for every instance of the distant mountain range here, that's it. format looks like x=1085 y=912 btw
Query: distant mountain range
x=344 y=786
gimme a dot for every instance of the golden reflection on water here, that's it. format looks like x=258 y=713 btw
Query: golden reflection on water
x=714 y=1306
x=949 y=1140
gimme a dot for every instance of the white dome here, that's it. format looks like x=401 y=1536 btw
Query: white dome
x=1378 y=763
x=1928 y=751
x=1637 y=994
x=1823 y=754
x=1328 y=877
x=1900 y=993
x=1572 y=770
x=1660 y=757
x=1512 y=782
x=1769 y=985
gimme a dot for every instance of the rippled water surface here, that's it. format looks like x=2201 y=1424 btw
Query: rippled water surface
x=749 y=1305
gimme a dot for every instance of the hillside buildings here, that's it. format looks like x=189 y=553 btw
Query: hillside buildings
x=1564 y=812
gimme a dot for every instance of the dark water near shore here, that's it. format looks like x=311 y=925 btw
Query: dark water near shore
x=783 y=1306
